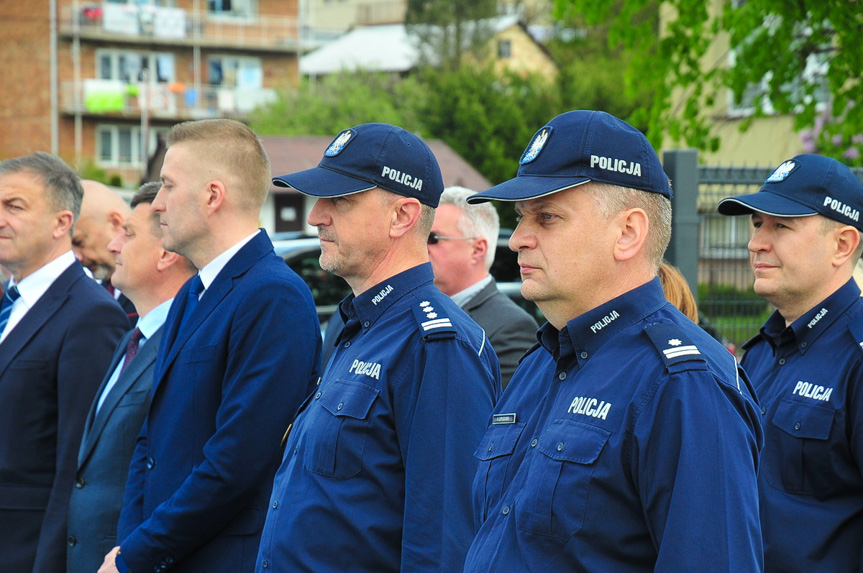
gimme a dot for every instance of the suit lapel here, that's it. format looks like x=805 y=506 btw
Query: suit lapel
x=133 y=372
x=484 y=294
x=38 y=316
x=239 y=264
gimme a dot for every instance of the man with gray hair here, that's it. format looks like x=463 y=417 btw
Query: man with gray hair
x=461 y=248
x=58 y=330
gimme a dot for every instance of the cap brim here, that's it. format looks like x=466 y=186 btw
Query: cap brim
x=323 y=182
x=526 y=187
x=764 y=202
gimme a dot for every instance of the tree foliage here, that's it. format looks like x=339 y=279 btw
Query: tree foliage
x=448 y=29
x=772 y=43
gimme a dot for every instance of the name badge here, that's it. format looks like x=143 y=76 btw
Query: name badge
x=497 y=419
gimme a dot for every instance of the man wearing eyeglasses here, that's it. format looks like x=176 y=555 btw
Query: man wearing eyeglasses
x=461 y=250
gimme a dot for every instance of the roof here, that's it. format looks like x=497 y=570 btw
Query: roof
x=383 y=48
x=289 y=154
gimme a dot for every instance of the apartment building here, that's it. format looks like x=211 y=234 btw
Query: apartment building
x=100 y=81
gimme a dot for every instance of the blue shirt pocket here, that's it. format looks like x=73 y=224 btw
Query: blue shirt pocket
x=337 y=440
x=492 y=477
x=554 y=498
x=800 y=451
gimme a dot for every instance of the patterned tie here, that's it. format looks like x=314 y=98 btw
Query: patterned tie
x=195 y=289
x=132 y=347
x=6 y=308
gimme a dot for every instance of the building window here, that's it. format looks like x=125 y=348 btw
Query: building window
x=120 y=145
x=232 y=8
x=504 y=49
x=127 y=66
x=234 y=72
x=724 y=237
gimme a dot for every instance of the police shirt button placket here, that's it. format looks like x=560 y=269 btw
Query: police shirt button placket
x=802 y=345
x=561 y=375
x=275 y=505
x=505 y=510
x=366 y=324
x=265 y=564
x=318 y=396
x=781 y=362
x=348 y=344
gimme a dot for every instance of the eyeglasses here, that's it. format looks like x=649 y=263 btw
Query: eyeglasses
x=434 y=238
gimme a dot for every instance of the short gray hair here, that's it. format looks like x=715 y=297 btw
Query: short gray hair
x=480 y=220
x=612 y=199
x=63 y=186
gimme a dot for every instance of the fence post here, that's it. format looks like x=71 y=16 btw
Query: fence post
x=681 y=166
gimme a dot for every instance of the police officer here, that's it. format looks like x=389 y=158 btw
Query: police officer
x=628 y=439
x=807 y=363
x=377 y=469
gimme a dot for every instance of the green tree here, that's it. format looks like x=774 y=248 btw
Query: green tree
x=775 y=46
x=448 y=29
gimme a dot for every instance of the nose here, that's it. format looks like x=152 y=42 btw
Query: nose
x=758 y=240
x=318 y=215
x=116 y=244
x=521 y=238
x=158 y=204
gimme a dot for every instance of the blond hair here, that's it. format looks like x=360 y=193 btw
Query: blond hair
x=236 y=150
x=677 y=290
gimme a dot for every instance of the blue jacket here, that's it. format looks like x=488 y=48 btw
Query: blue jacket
x=377 y=469
x=626 y=442
x=223 y=394
x=809 y=378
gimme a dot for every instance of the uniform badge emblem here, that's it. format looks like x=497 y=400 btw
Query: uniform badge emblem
x=781 y=172
x=536 y=144
x=339 y=143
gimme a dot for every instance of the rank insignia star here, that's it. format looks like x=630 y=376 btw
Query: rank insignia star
x=424 y=303
x=675 y=342
x=432 y=315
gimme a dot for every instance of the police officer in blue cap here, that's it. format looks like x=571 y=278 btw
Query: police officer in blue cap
x=628 y=439
x=807 y=363
x=377 y=470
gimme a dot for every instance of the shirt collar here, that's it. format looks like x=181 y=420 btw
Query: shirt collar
x=150 y=322
x=212 y=269
x=34 y=285
x=462 y=297
x=370 y=305
x=806 y=329
x=585 y=334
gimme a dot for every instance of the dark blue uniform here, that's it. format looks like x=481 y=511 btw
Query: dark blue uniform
x=628 y=441
x=377 y=470
x=808 y=378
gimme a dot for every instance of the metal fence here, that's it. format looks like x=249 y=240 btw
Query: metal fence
x=710 y=249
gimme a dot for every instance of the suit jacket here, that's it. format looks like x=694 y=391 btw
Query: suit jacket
x=511 y=330
x=50 y=366
x=224 y=391
x=128 y=308
x=104 y=456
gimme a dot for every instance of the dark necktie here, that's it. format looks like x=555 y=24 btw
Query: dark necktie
x=132 y=347
x=196 y=287
x=6 y=308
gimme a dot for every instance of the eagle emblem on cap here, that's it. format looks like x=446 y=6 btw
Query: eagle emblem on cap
x=339 y=143
x=781 y=172
x=536 y=145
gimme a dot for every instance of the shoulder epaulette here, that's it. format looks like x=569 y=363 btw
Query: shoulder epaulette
x=433 y=324
x=856 y=329
x=530 y=351
x=673 y=344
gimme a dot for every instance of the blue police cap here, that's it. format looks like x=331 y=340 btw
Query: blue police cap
x=368 y=156
x=805 y=185
x=580 y=146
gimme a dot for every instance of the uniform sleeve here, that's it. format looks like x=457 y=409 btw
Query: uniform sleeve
x=695 y=459
x=439 y=424
x=85 y=356
x=273 y=360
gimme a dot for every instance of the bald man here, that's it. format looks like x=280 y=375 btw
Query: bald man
x=102 y=214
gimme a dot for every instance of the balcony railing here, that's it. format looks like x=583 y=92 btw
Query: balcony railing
x=161 y=101
x=153 y=24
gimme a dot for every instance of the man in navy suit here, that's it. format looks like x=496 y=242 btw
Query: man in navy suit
x=150 y=276
x=59 y=330
x=240 y=352
x=102 y=214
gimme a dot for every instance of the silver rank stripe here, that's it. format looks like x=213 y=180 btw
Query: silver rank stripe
x=681 y=351
x=439 y=323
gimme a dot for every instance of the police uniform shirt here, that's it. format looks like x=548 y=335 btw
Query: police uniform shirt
x=808 y=378
x=628 y=441
x=378 y=467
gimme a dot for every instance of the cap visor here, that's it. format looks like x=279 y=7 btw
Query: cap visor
x=322 y=182
x=764 y=202
x=526 y=187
